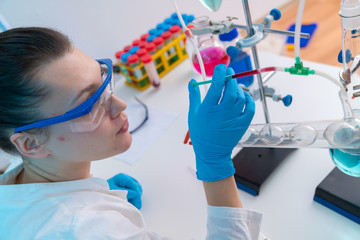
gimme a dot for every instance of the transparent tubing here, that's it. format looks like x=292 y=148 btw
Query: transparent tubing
x=343 y=133
x=190 y=37
x=298 y=28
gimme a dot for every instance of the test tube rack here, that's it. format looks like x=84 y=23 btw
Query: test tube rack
x=164 y=60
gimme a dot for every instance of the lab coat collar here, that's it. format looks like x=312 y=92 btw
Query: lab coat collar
x=8 y=188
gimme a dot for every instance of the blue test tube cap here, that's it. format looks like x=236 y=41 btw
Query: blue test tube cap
x=133 y=50
x=150 y=38
x=168 y=21
x=287 y=100
x=167 y=26
x=190 y=18
x=275 y=13
x=152 y=31
x=177 y=22
x=232 y=51
x=159 y=32
x=125 y=56
x=174 y=16
x=160 y=26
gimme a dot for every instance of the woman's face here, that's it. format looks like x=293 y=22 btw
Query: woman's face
x=67 y=78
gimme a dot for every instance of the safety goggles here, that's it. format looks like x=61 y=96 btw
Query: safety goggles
x=90 y=114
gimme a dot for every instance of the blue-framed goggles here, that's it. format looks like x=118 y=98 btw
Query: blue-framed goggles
x=89 y=115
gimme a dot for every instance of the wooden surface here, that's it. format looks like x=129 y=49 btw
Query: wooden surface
x=325 y=43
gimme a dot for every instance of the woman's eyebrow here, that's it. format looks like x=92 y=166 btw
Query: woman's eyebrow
x=89 y=89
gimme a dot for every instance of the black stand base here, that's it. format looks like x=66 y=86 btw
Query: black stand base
x=254 y=165
x=340 y=192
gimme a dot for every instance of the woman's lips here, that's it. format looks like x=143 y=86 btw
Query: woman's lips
x=125 y=127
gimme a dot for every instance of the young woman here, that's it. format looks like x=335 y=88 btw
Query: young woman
x=59 y=114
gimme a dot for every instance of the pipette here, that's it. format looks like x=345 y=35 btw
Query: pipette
x=242 y=74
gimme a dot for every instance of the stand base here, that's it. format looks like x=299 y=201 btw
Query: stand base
x=340 y=193
x=254 y=165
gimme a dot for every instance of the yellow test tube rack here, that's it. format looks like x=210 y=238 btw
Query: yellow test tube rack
x=163 y=60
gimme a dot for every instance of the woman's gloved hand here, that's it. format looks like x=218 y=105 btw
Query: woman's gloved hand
x=123 y=181
x=217 y=124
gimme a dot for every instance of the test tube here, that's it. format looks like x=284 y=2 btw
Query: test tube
x=124 y=58
x=167 y=36
x=159 y=43
x=176 y=32
x=118 y=56
x=134 y=63
x=151 y=48
x=151 y=70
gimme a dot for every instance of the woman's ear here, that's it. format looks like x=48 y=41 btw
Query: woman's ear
x=29 y=145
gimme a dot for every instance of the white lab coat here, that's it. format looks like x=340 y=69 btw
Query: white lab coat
x=87 y=209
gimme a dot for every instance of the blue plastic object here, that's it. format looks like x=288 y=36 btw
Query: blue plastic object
x=123 y=181
x=275 y=13
x=242 y=63
x=216 y=128
x=190 y=18
x=174 y=16
x=168 y=21
x=227 y=37
x=287 y=100
x=232 y=51
x=150 y=38
x=305 y=28
x=125 y=56
x=347 y=55
x=160 y=26
x=152 y=31
x=133 y=50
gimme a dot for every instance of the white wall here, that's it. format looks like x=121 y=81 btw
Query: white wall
x=100 y=28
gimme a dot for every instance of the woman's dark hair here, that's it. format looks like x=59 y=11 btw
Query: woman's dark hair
x=23 y=52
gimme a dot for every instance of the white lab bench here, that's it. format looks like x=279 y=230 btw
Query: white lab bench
x=174 y=204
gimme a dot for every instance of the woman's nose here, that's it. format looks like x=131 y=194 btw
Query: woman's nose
x=117 y=106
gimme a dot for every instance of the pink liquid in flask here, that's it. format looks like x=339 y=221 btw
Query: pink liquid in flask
x=211 y=57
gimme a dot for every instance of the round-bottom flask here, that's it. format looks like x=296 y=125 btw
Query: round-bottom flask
x=347 y=161
x=211 y=51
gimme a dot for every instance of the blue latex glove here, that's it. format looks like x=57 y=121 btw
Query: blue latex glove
x=216 y=128
x=123 y=181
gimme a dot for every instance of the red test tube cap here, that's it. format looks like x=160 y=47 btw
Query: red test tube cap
x=133 y=58
x=150 y=47
x=141 y=52
x=136 y=42
x=146 y=58
x=158 y=41
x=142 y=44
x=144 y=36
x=127 y=48
x=175 y=29
x=166 y=35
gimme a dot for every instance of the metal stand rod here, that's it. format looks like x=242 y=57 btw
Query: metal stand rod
x=256 y=60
